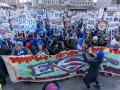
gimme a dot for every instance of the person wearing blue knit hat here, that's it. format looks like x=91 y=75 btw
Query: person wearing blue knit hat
x=57 y=33
x=68 y=41
x=81 y=44
x=41 y=50
x=74 y=40
x=93 y=68
x=84 y=35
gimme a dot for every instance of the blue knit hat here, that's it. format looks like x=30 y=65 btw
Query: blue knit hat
x=50 y=37
x=56 y=31
x=38 y=34
x=35 y=40
x=40 y=43
x=1 y=44
x=37 y=29
x=15 y=39
x=69 y=34
x=100 y=54
x=80 y=41
x=74 y=33
x=85 y=29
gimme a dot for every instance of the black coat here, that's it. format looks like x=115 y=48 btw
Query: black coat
x=91 y=44
x=93 y=69
x=68 y=43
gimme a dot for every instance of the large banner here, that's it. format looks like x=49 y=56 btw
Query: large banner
x=60 y=66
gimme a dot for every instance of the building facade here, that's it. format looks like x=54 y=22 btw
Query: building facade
x=107 y=3
x=60 y=4
x=13 y=3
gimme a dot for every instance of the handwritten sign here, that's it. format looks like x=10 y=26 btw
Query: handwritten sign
x=59 y=23
x=27 y=24
x=39 y=17
x=7 y=32
x=91 y=23
x=16 y=27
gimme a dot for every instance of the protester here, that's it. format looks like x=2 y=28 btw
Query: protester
x=81 y=45
x=74 y=41
x=96 y=43
x=68 y=41
x=61 y=47
x=93 y=69
x=114 y=42
x=41 y=50
x=4 y=51
x=3 y=70
x=51 y=86
x=20 y=49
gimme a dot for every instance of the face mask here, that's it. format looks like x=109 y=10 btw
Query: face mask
x=117 y=39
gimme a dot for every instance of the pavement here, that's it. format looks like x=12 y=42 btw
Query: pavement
x=73 y=83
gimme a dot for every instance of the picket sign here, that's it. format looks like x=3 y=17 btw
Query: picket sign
x=53 y=22
x=117 y=24
x=111 y=26
x=101 y=11
x=59 y=23
x=27 y=24
x=85 y=20
x=91 y=22
x=39 y=17
x=110 y=13
x=8 y=33
x=16 y=27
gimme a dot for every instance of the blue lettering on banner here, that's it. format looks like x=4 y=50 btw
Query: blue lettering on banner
x=41 y=68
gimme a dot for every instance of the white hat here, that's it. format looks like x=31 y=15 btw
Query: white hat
x=95 y=38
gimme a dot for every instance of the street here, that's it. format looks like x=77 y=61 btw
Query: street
x=73 y=83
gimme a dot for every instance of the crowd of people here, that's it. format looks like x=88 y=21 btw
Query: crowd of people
x=51 y=41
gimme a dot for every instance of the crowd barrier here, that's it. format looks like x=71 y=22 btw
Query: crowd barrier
x=60 y=66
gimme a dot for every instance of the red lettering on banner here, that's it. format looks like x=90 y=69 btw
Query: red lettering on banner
x=114 y=51
x=94 y=49
x=30 y=58
x=111 y=50
x=50 y=56
x=46 y=57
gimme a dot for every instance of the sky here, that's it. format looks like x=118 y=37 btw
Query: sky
x=30 y=0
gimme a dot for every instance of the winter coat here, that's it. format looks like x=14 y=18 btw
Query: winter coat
x=74 y=43
x=7 y=51
x=99 y=38
x=26 y=51
x=33 y=49
x=53 y=47
x=68 y=43
x=79 y=47
x=93 y=69
x=62 y=49
x=91 y=44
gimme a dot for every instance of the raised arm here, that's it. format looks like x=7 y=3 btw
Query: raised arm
x=88 y=60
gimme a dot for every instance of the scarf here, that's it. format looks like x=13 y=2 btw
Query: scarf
x=40 y=52
x=21 y=52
